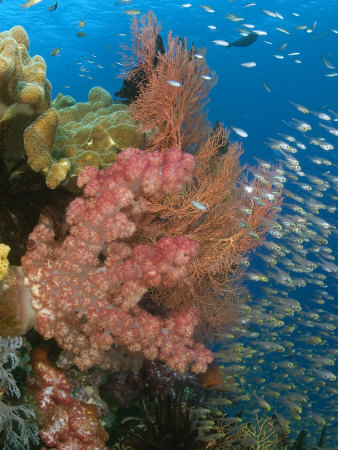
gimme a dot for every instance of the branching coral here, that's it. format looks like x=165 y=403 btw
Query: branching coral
x=260 y=435
x=17 y=430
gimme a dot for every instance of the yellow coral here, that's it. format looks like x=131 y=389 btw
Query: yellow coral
x=72 y=135
x=39 y=138
x=4 y=264
x=22 y=79
x=57 y=173
x=25 y=91
x=260 y=434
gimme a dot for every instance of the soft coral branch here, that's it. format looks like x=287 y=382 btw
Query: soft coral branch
x=86 y=289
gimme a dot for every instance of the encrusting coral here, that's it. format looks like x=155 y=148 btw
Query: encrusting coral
x=70 y=136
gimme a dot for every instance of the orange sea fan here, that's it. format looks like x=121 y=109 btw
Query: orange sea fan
x=138 y=60
x=171 y=116
x=213 y=284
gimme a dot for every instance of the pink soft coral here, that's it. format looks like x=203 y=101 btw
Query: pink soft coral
x=91 y=307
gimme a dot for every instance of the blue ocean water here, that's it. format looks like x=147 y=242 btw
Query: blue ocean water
x=256 y=100
x=239 y=97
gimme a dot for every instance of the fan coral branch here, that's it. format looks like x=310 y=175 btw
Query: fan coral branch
x=138 y=59
x=173 y=114
x=224 y=231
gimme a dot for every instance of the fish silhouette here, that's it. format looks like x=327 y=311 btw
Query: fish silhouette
x=244 y=41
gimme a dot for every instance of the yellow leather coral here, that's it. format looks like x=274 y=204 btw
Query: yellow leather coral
x=24 y=89
x=72 y=135
x=22 y=78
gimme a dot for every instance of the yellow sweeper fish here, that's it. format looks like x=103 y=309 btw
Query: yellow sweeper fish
x=132 y=12
x=30 y=3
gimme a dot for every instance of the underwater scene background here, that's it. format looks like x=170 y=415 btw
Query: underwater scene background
x=274 y=369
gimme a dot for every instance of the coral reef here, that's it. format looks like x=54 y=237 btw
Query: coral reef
x=70 y=136
x=86 y=288
x=147 y=259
